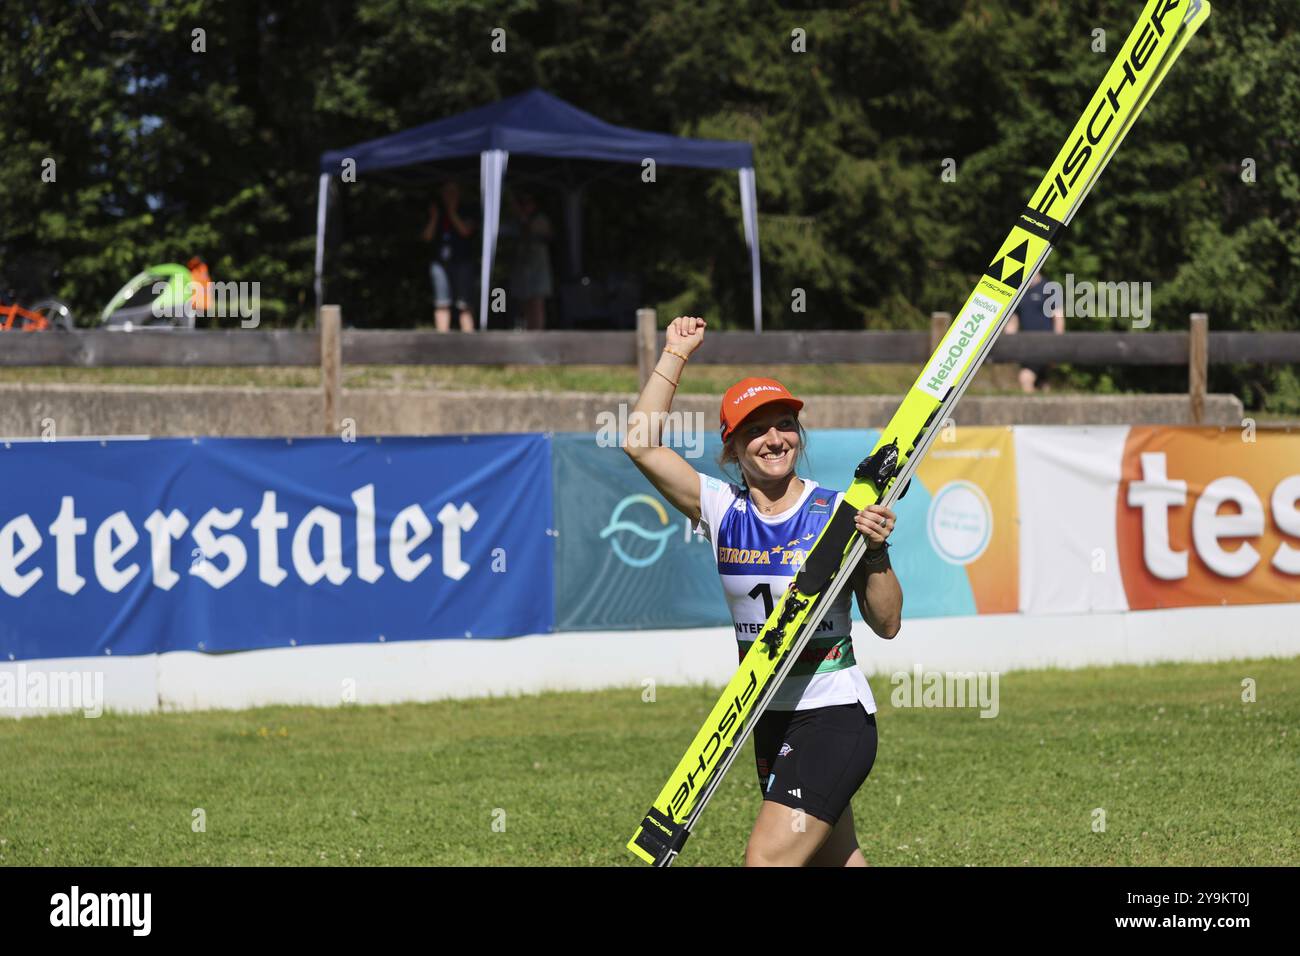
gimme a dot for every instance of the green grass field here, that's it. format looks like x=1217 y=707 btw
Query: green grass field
x=1187 y=774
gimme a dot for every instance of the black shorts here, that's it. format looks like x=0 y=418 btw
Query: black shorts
x=815 y=760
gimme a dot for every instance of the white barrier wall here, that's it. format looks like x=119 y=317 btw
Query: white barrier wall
x=436 y=670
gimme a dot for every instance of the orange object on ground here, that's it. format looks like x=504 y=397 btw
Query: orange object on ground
x=202 y=280
x=32 y=321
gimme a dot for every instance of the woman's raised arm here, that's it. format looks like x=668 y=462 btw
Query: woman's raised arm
x=668 y=471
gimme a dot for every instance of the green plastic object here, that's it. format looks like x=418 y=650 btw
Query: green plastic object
x=170 y=301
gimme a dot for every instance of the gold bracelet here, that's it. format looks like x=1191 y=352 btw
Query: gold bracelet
x=664 y=377
x=684 y=358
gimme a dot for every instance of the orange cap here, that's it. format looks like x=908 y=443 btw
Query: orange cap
x=747 y=396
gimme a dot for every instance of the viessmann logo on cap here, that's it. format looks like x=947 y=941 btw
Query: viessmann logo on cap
x=754 y=390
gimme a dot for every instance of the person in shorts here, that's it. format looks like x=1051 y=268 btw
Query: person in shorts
x=454 y=269
x=816 y=743
x=1035 y=314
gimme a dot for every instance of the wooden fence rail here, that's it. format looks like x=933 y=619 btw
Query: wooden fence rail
x=330 y=346
x=100 y=349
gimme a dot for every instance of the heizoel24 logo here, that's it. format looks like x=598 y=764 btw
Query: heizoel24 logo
x=963 y=341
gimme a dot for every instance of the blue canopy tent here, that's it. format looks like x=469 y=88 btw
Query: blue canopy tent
x=536 y=124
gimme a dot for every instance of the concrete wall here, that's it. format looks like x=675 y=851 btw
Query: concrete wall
x=160 y=411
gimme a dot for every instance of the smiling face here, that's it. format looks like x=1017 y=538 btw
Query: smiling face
x=766 y=444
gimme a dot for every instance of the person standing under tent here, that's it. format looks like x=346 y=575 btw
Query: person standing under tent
x=530 y=269
x=454 y=263
x=816 y=743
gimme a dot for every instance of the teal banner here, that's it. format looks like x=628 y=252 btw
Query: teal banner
x=625 y=558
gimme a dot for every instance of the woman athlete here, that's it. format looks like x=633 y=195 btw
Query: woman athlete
x=817 y=741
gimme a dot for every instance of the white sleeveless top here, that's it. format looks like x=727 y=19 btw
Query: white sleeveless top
x=757 y=557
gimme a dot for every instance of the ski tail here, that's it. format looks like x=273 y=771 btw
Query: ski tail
x=1142 y=63
x=659 y=839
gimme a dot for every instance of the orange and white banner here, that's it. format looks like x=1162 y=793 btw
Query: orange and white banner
x=1115 y=519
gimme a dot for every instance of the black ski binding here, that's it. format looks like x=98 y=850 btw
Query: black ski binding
x=881 y=466
x=773 y=640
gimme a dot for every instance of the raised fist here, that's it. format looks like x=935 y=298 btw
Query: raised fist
x=685 y=334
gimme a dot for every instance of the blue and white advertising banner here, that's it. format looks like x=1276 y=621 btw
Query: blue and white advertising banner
x=147 y=546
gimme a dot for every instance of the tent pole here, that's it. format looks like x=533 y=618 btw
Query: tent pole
x=749 y=212
x=492 y=171
x=322 y=211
